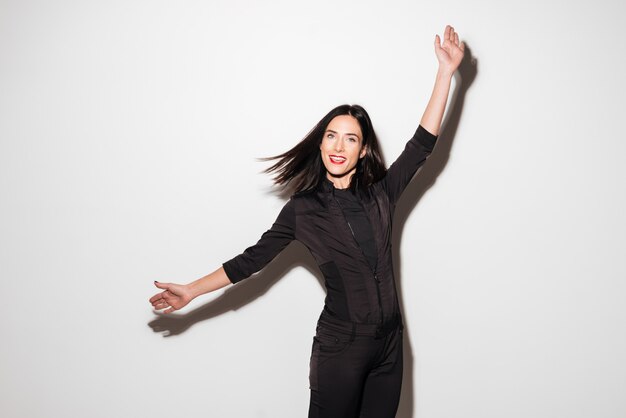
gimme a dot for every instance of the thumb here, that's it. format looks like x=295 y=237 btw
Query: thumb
x=162 y=285
x=437 y=42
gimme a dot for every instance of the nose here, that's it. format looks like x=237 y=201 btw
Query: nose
x=339 y=144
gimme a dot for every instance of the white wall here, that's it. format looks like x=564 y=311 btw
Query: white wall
x=128 y=137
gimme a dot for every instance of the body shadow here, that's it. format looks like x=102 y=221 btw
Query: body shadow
x=425 y=179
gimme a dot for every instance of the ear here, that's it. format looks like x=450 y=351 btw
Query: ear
x=363 y=152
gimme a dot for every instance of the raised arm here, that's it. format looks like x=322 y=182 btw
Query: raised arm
x=449 y=54
x=418 y=149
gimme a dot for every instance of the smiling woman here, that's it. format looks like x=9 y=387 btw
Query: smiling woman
x=342 y=211
x=341 y=149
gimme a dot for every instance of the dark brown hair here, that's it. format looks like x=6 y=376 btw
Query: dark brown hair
x=301 y=168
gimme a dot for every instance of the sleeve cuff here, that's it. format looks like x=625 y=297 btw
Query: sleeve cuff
x=425 y=138
x=231 y=272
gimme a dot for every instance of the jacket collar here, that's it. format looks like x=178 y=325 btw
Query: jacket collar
x=327 y=186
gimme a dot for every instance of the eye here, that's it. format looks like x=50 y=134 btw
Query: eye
x=352 y=139
x=330 y=136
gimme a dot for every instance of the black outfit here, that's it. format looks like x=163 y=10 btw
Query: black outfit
x=356 y=361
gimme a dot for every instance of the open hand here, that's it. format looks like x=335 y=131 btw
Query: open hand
x=450 y=53
x=174 y=297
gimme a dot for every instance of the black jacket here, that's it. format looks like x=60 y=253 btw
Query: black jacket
x=355 y=292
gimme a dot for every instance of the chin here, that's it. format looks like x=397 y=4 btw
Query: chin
x=336 y=171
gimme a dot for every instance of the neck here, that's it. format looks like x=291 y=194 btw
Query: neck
x=342 y=182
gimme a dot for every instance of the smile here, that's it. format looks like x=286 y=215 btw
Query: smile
x=335 y=159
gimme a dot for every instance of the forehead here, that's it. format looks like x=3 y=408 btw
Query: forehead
x=345 y=124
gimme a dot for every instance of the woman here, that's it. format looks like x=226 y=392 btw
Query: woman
x=342 y=212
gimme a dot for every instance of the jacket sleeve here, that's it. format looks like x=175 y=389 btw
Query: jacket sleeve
x=271 y=243
x=408 y=162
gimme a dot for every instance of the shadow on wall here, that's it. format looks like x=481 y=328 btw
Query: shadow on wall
x=425 y=178
x=296 y=254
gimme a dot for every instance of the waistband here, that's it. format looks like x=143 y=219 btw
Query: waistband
x=356 y=328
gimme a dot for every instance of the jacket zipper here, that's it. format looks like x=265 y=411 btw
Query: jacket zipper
x=380 y=304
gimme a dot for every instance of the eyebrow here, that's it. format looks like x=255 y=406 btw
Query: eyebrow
x=347 y=133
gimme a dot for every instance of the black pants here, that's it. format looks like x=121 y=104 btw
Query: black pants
x=356 y=370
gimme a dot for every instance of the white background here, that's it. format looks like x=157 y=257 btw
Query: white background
x=128 y=137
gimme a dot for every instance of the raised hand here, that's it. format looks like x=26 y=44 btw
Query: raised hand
x=450 y=52
x=174 y=297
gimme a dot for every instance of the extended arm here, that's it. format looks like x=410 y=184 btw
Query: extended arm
x=449 y=54
x=175 y=296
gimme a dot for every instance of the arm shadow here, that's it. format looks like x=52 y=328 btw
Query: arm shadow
x=425 y=179
x=244 y=292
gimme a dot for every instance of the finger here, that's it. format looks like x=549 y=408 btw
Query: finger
x=161 y=296
x=170 y=310
x=451 y=38
x=446 y=32
x=437 y=42
x=462 y=46
x=456 y=38
x=161 y=305
x=162 y=285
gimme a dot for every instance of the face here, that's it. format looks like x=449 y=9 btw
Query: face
x=341 y=149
